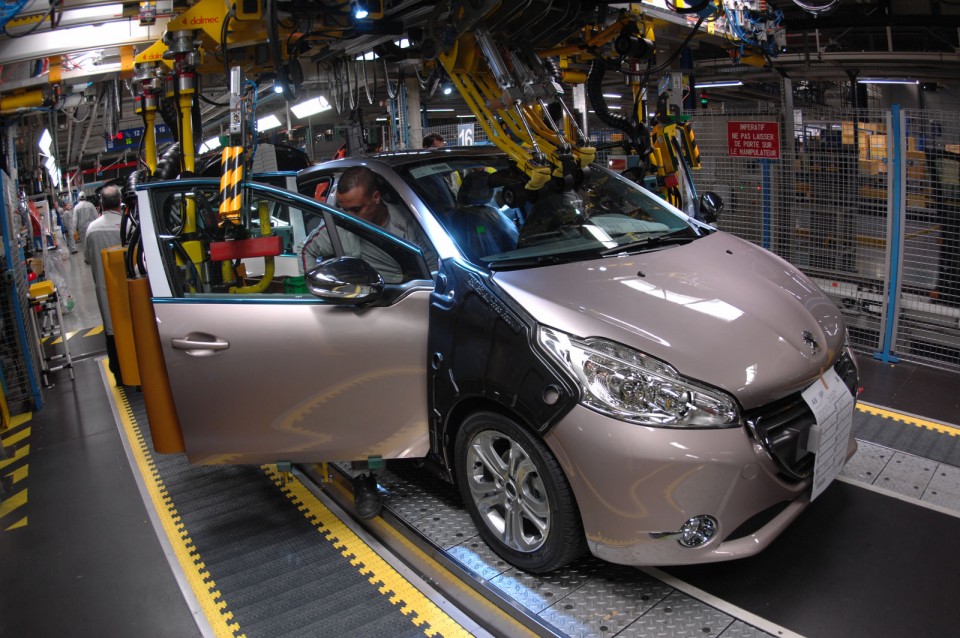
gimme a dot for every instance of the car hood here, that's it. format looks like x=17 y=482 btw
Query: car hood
x=719 y=310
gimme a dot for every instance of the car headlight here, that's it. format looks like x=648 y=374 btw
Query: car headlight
x=628 y=385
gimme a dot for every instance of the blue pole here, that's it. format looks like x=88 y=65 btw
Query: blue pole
x=767 y=241
x=896 y=170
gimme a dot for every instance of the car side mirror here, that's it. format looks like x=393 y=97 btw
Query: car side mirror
x=345 y=280
x=711 y=205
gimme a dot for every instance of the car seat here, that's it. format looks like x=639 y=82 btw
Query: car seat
x=436 y=194
x=478 y=227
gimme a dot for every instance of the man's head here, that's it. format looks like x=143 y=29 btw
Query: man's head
x=82 y=196
x=358 y=194
x=434 y=140
x=110 y=198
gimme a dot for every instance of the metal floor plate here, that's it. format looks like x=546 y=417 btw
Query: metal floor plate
x=590 y=598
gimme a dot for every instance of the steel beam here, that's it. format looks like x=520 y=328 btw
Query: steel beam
x=64 y=41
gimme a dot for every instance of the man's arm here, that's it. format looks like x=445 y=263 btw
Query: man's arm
x=407 y=227
x=313 y=248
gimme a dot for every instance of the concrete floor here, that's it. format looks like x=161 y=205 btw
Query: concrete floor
x=77 y=282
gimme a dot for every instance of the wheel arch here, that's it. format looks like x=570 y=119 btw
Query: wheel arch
x=460 y=412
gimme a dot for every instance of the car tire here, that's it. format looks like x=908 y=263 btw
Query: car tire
x=517 y=494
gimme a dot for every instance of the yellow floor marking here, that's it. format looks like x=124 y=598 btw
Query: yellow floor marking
x=56 y=341
x=21 y=523
x=439 y=575
x=20 y=453
x=13 y=502
x=367 y=562
x=909 y=420
x=15 y=438
x=203 y=586
x=20 y=473
x=93 y=331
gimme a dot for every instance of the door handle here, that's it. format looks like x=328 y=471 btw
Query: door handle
x=199 y=345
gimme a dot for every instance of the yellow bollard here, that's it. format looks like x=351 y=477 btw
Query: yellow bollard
x=157 y=396
x=115 y=275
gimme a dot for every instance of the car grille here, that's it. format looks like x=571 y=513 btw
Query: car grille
x=783 y=427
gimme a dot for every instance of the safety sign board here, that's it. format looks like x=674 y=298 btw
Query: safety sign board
x=753 y=139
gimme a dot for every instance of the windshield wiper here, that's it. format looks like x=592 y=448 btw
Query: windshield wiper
x=679 y=236
x=526 y=262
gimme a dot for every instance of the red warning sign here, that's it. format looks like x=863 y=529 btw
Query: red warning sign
x=753 y=139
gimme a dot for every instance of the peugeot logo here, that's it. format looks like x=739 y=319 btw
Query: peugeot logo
x=807 y=337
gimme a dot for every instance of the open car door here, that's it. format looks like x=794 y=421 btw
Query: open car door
x=262 y=370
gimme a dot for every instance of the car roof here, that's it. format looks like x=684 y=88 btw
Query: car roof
x=396 y=159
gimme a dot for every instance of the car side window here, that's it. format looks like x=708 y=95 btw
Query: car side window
x=402 y=223
x=344 y=235
x=243 y=254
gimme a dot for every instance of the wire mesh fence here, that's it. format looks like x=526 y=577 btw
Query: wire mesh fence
x=827 y=203
x=928 y=316
x=468 y=133
x=19 y=359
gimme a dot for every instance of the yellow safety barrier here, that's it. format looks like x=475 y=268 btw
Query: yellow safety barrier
x=157 y=396
x=115 y=276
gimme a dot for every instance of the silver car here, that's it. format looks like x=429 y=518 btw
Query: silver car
x=592 y=367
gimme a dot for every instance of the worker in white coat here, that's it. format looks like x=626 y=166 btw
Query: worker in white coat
x=83 y=214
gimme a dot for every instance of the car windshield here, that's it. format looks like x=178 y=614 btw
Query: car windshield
x=481 y=202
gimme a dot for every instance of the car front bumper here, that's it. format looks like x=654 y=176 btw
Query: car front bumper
x=637 y=485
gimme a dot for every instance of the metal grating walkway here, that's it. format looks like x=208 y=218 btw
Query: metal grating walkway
x=265 y=558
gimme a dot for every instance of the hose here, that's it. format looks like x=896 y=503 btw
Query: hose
x=168 y=166
x=634 y=128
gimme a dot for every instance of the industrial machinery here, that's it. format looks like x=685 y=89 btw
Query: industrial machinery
x=514 y=64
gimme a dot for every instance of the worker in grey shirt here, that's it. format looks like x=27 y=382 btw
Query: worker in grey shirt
x=83 y=213
x=104 y=232
x=359 y=195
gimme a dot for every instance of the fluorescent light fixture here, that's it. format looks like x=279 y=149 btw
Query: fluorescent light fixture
x=210 y=145
x=468 y=115
x=311 y=107
x=381 y=119
x=718 y=84
x=102 y=12
x=440 y=110
x=267 y=123
x=615 y=96
x=886 y=81
x=45 y=142
x=614 y=107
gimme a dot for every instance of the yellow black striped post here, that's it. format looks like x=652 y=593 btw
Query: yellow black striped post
x=231 y=163
x=690 y=144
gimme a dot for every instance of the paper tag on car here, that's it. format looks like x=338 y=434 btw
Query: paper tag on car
x=832 y=405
